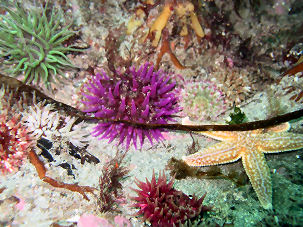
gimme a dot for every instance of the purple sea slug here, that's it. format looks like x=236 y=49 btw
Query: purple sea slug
x=144 y=96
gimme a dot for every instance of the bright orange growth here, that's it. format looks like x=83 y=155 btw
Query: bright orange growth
x=165 y=48
x=186 y=17
x=182 y=9
x=159 y=24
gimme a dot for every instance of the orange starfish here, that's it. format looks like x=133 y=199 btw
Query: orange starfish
x=250 y=146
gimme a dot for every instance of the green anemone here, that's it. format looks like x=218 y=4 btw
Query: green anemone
x=31 y=43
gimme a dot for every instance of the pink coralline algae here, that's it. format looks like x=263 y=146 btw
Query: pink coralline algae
x=144 y=96
x=94 y=221
x=161 y=205
x=14 y=143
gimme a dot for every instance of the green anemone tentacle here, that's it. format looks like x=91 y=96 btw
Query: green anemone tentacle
x=32 y=43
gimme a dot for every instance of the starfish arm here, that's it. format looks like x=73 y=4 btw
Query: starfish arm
x=219 y=153
x=258 y=172
x=221 y=135
x=279 y=142
x=280 y=128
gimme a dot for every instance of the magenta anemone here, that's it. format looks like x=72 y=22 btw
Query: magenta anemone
x=144 y=96
x=161 y=205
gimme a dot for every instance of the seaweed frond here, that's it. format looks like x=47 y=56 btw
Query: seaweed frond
x=110 y=183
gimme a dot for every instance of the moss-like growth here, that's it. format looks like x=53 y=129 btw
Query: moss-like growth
x=31 y=43
x=237 y=117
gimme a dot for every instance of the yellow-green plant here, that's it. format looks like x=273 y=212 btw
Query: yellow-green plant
x=31 y=43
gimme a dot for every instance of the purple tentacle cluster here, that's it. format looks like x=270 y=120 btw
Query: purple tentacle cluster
x=144 y=96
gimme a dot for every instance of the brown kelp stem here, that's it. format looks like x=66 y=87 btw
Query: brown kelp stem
x=21 y=88
x=236 y=127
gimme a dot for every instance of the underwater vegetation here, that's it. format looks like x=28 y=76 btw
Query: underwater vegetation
x=237 y=116
x=143 y=96
x=180 y=170
x=162 y=205
x=110 y=183
x=32 y=43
